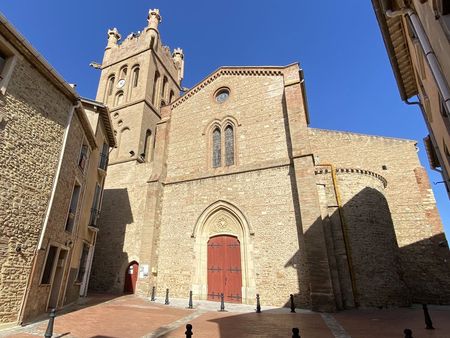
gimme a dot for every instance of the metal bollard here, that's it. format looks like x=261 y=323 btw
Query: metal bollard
x=295 y=333
x=49 y=331
x=189 y=332
x=222 y=303
x=408 y=333
x=190 y=306
x=153 y=294
x=428 y=321
x=292 y=304
x=258 y=305
x=166 y=302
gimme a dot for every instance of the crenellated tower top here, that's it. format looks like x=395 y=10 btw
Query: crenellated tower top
x=139 y=76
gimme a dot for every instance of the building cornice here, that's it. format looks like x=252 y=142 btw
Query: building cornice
x=222 y=71
x=322 y=170
x=106 y=118
x=360 y=135
x=396 y=45
x=36 y=59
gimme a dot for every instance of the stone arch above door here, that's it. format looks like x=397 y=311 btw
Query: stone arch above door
x=223 y=218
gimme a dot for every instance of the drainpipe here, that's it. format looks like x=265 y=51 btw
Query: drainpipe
x=47 y=213
x=432 y=61
x=89 y=264
x=348 y=250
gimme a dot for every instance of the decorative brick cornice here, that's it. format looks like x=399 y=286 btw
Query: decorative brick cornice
x=323 y=170
x=240 y=71
x=314 y=131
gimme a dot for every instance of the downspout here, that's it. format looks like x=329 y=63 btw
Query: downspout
x=348 y=250
x=90 y=259
x=47 y=213
x=428 y=51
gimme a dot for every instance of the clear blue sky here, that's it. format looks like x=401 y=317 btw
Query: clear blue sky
x=350 y=83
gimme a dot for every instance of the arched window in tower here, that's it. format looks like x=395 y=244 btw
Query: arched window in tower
x=148 y=146
x=119 y=99
x=124 y=143
x=123 y=72
x=216 y=148
x=155 y=89
x=111 y=81
x=135 y=78
x=229 y=145
x=163 y=103
x=171 y=96
x=164 y=88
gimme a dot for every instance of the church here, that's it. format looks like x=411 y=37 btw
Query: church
x=226 y=189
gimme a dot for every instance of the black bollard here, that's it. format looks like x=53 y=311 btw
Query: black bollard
x=153 y=294
x=49 y=331
x=189 y=332
x=166 y=302
x=222 y=304
x=295 y=333
x=258 y=305
x=428 y=321
x=190 y=306
x=408 y=333
x=292 y=304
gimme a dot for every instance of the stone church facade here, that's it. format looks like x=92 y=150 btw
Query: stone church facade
x=226 y=189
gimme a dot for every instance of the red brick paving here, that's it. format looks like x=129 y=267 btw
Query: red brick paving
x=391 y=323
x=232 y=325
x=124 y=317
x=130 y=317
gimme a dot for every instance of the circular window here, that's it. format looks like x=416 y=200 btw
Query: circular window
x=116 y=115
x=120 y=123
x=222 y=95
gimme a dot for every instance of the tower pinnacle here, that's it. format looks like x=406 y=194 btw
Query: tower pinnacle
x=113 y=38
x=154 y=18
x=178 y=59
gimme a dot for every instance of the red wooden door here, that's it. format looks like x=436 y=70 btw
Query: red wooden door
x=131 y=277
x=224 y=269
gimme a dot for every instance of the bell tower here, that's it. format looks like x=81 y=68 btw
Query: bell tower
x=139 y=75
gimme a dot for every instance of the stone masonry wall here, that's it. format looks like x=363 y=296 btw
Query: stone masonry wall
x=258 y=184
x=31 y=134
x=408 y=204
x=265 y=199
x=55 y=233
x=371 y=238
x=121 y=221
x=255 y=104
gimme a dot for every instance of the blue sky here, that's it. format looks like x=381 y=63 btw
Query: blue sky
x=350 y=84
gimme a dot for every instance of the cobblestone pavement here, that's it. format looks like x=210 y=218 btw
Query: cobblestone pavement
x=127 y=316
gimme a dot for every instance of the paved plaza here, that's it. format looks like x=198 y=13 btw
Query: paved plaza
x=129 y=316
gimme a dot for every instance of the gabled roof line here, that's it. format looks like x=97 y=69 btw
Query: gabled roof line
x=37 y=60
x=106 y=119
x=231 y=70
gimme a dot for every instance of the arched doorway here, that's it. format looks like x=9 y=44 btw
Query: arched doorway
x=224 y=269
x=131 y=274
x=222 y=221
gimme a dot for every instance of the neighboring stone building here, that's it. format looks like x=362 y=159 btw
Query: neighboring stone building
x=417 y=38
x=226 y=189
x=53 y=158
